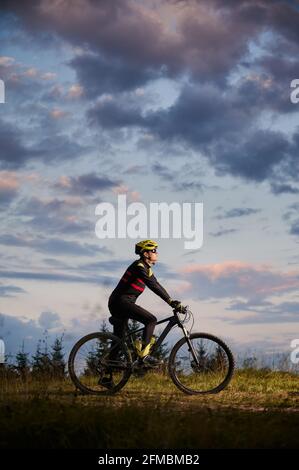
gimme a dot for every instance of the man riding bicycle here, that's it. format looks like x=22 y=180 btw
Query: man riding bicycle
x=122 y=301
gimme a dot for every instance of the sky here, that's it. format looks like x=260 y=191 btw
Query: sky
x=163 y=101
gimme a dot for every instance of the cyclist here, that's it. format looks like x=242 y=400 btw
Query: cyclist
x=122 y=301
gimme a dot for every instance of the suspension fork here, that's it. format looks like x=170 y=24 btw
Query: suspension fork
x=190 y=345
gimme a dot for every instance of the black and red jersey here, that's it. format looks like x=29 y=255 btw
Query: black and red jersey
x=137 y=276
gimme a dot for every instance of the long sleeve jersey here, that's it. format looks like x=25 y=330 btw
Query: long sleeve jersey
x=133 y=282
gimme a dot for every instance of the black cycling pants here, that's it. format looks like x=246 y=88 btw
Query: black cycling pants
x=125 y=308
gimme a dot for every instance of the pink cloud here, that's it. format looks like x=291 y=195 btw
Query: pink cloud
x=9 y=181
x=57 y=113
x=239 y=279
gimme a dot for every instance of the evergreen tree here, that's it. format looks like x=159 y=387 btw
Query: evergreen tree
x=162 y=352
x=219 y=360
x=57 y=359
x=41 y=366
x=95 y=355
x=22 y=363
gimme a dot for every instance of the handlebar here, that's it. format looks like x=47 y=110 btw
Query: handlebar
x=183 y=309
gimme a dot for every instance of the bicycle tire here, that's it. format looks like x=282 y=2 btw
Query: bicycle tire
x=103 y=337
x=175 y=376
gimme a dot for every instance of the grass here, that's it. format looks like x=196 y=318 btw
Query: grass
x=259 y=409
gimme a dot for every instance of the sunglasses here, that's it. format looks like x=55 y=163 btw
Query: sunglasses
x=154 y=250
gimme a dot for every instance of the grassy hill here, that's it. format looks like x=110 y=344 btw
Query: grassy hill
x=259 y=409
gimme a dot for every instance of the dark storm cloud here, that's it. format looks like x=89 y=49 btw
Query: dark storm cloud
x=253 y=157
x=113 y=115
x=14 y=153
x=85 y=185
x=100 y=75
x=231 y=145
x=204 y=41
x=283 y=188
x=196 y=117
x=49 y=149
x=207 y=39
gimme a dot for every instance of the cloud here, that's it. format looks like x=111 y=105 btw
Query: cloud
x=235 y=279
x=265 y=312
x=164 y=172
x=9 y=187
x=223 y=231
x=292 y=219
x=86 y=185
x=18 y=331
x=283 y=188
x=57 y=113
x=57 y=277
x=205 y=39
x=54 y=215
x=127 y=43
x=49 y=320
x=51 y=148
x=294 y=230
x=14 y=153
x=233 y=145
x=57 y=246
x=238 y=212
x=98 y=75
x=10 y=291
x=111 y=114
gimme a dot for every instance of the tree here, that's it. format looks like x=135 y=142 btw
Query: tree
x=94 y=356
x=161 y=353
x=219 y=360
x=41 y=365
x=22 y=363
x=57 y=359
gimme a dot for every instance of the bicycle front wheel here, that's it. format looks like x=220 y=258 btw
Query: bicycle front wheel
x=201 y=364
x=99 y=358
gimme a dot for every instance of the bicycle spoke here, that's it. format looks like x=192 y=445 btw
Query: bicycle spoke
x=203 y=368
x=96 y=359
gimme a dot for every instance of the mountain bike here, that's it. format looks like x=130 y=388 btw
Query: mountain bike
x=199 y=363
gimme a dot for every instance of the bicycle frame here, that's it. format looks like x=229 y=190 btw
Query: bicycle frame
x=172 y=321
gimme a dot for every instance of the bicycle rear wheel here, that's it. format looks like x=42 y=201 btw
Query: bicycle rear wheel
x=97 y=356
x=209 y=372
